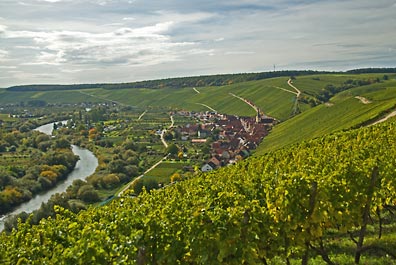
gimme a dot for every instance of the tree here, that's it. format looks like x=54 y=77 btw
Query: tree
x=3 y=146
x=175 y=177
x=50 y=175
x=88 y=194
x=111 y=180
x=117 y=166
x=168 y=136
x=44 y=146
x=172 y=149
x=24 y=128
x=93 y=134
x=10 y=139
x=129 y=145
x=62 y=143
x=12 y=148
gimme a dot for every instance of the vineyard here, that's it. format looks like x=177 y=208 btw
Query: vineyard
x=331 y=200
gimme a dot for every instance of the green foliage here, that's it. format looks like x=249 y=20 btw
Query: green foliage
x=32 y=164
x=88 y=194
x=295 y=203
x=172 y=149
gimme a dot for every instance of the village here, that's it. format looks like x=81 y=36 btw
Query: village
x=230 y=138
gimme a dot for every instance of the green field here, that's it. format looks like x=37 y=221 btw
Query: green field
x=6 y=117
x=164 y=170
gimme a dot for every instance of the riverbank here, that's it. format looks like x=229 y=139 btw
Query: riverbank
x=85 y=166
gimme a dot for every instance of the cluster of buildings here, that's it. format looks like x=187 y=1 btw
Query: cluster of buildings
x=233 y=137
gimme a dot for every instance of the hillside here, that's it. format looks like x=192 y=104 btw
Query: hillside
x=329 y=199
x=193 y=81
x=343 y=111
x=327 y=103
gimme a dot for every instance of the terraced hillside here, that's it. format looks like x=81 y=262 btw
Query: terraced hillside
x=347 y=109
x=328 y=102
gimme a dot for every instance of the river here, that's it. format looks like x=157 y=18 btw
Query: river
x=84 y=168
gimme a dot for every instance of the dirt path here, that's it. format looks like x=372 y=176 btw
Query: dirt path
x=246 y=101
x=163 y=139
x=212 y=109
x=141 y=176
x=286 y=90
x=390 y=115
x=298 y=92
x=105 y=99
x=164 y=131
x=141 y=115
x=363 y=100
x=196 y=90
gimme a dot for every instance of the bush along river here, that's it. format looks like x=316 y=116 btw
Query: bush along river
x=85 y=166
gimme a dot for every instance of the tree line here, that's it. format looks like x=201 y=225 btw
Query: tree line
x=193 y=81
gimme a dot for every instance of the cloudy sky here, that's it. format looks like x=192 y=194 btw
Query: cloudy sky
x=90 y=41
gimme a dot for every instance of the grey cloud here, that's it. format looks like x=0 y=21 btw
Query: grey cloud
x=118 y=47
x=3 y=54
x=155 y=38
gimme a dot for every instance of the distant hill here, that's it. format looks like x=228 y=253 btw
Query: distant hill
x=193 y=81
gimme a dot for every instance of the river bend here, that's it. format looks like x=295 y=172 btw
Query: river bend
x=85 y=167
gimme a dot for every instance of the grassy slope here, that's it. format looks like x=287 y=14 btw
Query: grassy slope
x=273 y=101
x=346 y=112
x=73 y=96
x=263 y=93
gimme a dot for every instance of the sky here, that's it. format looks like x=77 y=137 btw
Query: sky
x=110 y=41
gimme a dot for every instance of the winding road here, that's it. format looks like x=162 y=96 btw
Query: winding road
x=298 y=92
x=164 y=131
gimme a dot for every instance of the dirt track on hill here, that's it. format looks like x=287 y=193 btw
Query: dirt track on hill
x=390 y=115
x=363 y=100
x=289 y=82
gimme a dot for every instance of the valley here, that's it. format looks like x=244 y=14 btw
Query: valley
x=256 y=138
